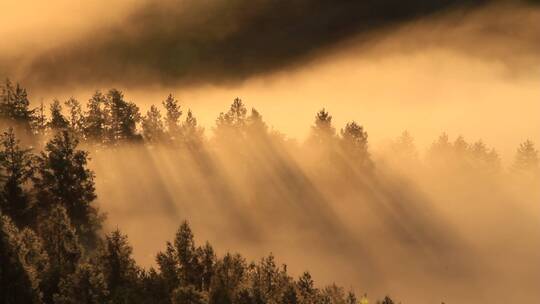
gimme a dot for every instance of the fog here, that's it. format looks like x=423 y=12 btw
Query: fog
x=409 y=227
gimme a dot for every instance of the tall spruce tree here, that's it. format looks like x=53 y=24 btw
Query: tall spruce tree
x=121 y=273
x=306 y=289
x=85 y=286
x=441 y=151
x=230 y=125
x=206 y=265
x=15 y=172
x=75 y=118
x=152 y=126
x=235 y=117
x=63 y=178
x=322 y=132
x=172 y=116
x=19 y=278
x=15 y=106
x=267 y=282
x=256 y=127
x=58 y=121
x=123 y=118
x=40 y=120
x=527 y=161
x=96 y=118
x=186 y=255
x=334 y=294
x=228 y=277
x=354 y=142
x=168 y=266
x=191 y=133
x=183 y=264
x=61 y=242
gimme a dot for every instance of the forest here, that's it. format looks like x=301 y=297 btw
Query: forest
x=57 y=245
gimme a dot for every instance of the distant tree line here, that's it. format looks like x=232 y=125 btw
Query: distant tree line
x=108 y=119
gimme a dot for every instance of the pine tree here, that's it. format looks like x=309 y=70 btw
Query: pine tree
x=207 y=261
x=334 y=294
x=186 y=254
x=14 y=106
x=123 y=117
x=526 y=160
x=228 y=277
x=230 y=125
x=62 y=245
x=96 y=118
x=75 y=119
x=152 y=126
x=306 y=289
x=58 y=121
x=86 y=286
x=63 y=178
x=16 y=171
x=460 y=147
x=168 y=266
x=441 y=151
x=191 y=133
x=322 y=132
x=34 y=254
x=483 y=159
x=354 y=142
x=19 y=278
x=256 y=127
x=40 y=120
x=267 y=282
x=172 y=117
x=235 y=117
x=120 y=271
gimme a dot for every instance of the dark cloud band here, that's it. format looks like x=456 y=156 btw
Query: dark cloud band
x=188 y=41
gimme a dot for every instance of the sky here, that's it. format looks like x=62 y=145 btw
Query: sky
x=187 y=41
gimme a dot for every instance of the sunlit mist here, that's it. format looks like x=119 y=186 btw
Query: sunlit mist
x=387 y=148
